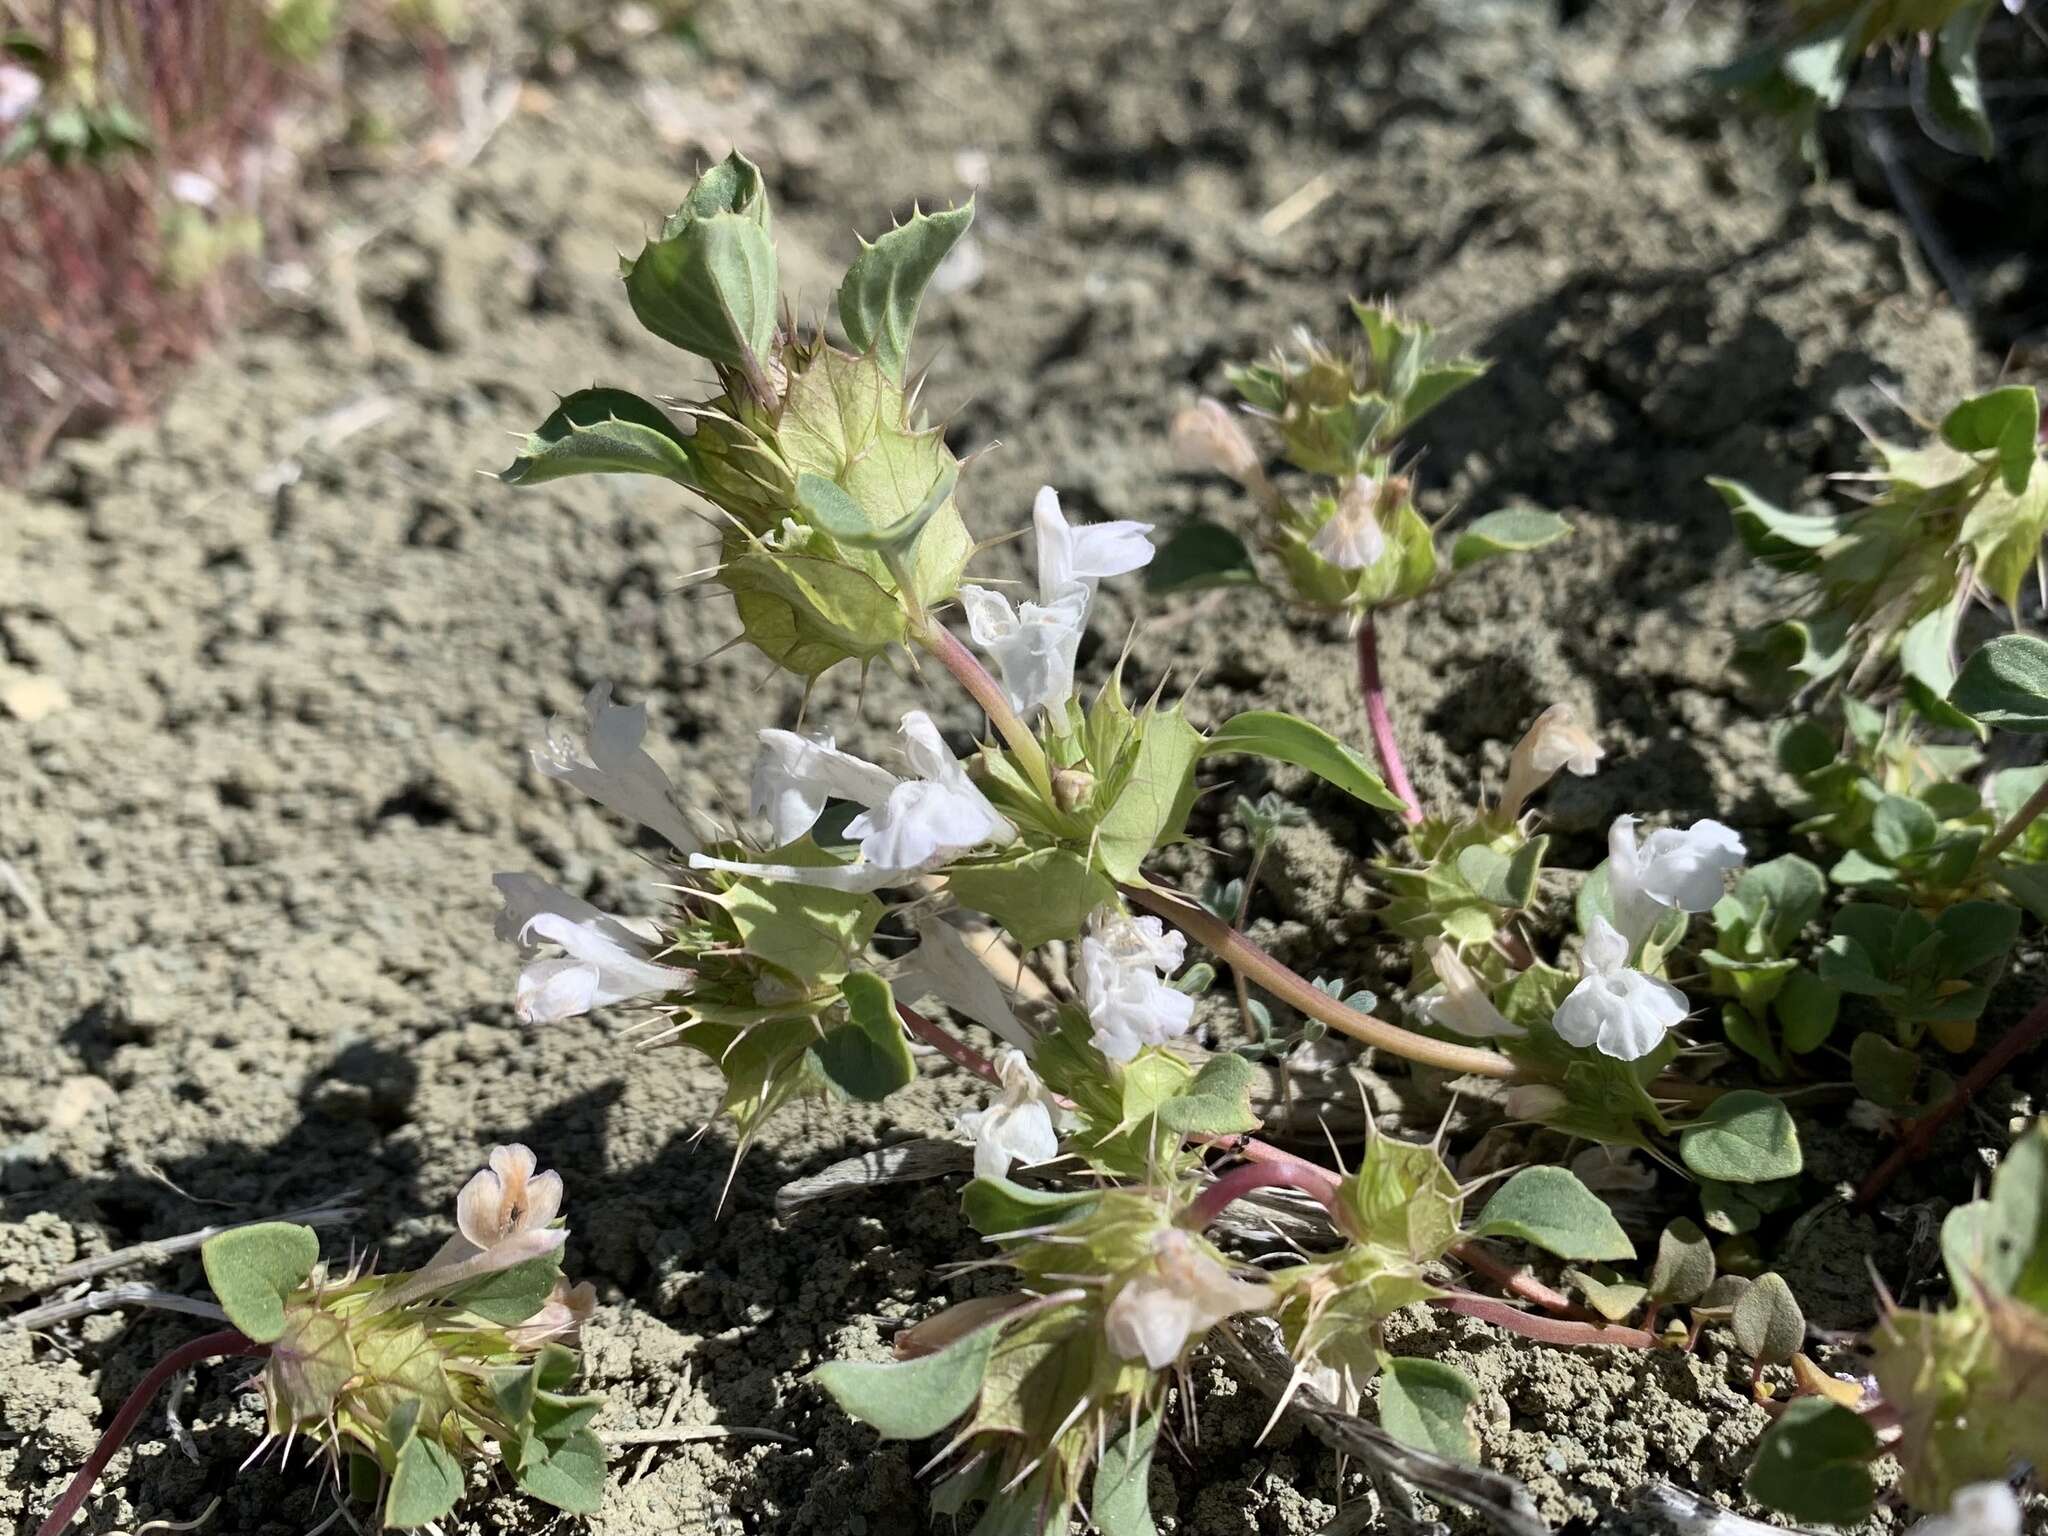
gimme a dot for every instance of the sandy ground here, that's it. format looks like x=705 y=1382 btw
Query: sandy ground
x=298 y=641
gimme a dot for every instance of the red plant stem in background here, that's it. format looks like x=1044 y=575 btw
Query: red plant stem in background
x=1521 y=1283
x=227 y=1342
x=1920 y=1134
x=1382 y=723
x=1244 y=1179
x=950 y=1045
x=1545 y=1330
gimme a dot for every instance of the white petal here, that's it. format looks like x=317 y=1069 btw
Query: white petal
x=1685 y=869
x=1635 y=910
x=795 y=775
x=1352 y=539
x=622 y=972
x=1067 y=554
x=1623 y=1014
x=1462 y=1004
x=1033 y=648
x=525 y=896
x=858 y=876
x=990 y=618
x=942 y=966
x=1604 y=949
x=611 y=768
x=549 y=991
x=1147 y=1321
x=923 y=825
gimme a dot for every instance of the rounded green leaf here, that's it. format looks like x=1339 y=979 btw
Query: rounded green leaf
x=867 y=1056
x=1685 y=1263
x=1552 y=1209
x=1200 y=555
x=1428 y=1404
x=1900 y=827
x=1767 y=1321
x=1745 y=1137
x=2005 y=422
x=911 y=1399
x=1506 y=532
x=253 y=1269
x=1813 y=1463
x=427 y=1479
x=2006 y=684
x=567 y=1472
x=1121 y=1502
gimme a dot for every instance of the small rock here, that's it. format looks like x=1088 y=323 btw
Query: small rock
x=33 y=698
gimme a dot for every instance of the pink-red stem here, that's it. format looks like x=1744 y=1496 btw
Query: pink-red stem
x=1545 y=1330
x=226 y=1342
x=950 y=1045
x=1244 y=1179
x=1382 y=723
x=1920 y=1134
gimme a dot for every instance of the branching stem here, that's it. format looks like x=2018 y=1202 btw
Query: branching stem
x=192 y=1352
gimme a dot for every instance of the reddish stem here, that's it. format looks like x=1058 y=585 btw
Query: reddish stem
x=226 y=1342
x=1545 y=1330
x=1521 y=1283
x=950 y=1045
x=1920 y=1134
x=1382 y=723
x=1248 y=1177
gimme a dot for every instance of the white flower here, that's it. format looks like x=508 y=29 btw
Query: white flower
x=194 y=188
x=1671 y=869
x=1207 y=436
x=1352 y=539
x=942 y=966
x=502 y=1205
x=1131 y=1007
x=1180 y=1293
x=20 y=90
x=1555 y=741
x=605 y=959
x=795 y=775
x=1621 y=1012
x=1017 y=1127
x=611 y=768
x=1981 y=1509
x=910 y=825
x=1461 y=1003
x=1086 y=554
x=1032 y=645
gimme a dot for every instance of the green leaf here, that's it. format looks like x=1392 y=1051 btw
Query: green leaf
x=1806 y=1008
x=1509 y=531
x=2028 y=884
x=253 y=1269
x=1813 y=1463
x=1767 y=1321
x=1286 y=739
x=911 y=1399
x=2002 y=1242
x=1975 y=933
x=1428 y=1405
x=1608 y=1293
x=1744 y=1137
x=709 y=288
x=806 y=930
x=603 y=432
x=1794 y=889
x=2006 y=684
x=1216 y=1103
x=512 y=1295
x=1901 y=827
x=427 y=1479
x=1034 y=897
x=829 y=507
x=867 y=1057
x=1549 y=1207
x=1684 y=1267
x=1953 y=98
x=996 y=1207
x=1728 y=1209
x=879 y=297
x=1882 y=1072
x=567 y=1472
x=1121 y=1502
x=1200 y=555
x=1784 y=539
x=1504 y=880
x=1153 y=804
x=733 y=185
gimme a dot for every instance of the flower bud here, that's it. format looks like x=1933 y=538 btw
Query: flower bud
x=1072 y=788
x=1207 y=436
x=1555 y=741
x=1535 y=1101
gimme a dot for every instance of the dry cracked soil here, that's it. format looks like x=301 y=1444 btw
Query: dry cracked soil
x=275 y=656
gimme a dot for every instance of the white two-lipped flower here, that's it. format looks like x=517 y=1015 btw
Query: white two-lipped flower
x=507 y=1204
x=1620 y=1012
x=1124 y=961
x=1180 y=1293
x=1352 y=539
x=1020 y=1126
x=604 y=959
x=1460 y=1004
x=610 y=766
x=1555 y=741
x=1033 y=644
x=909 y=826
x=1671 y=869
